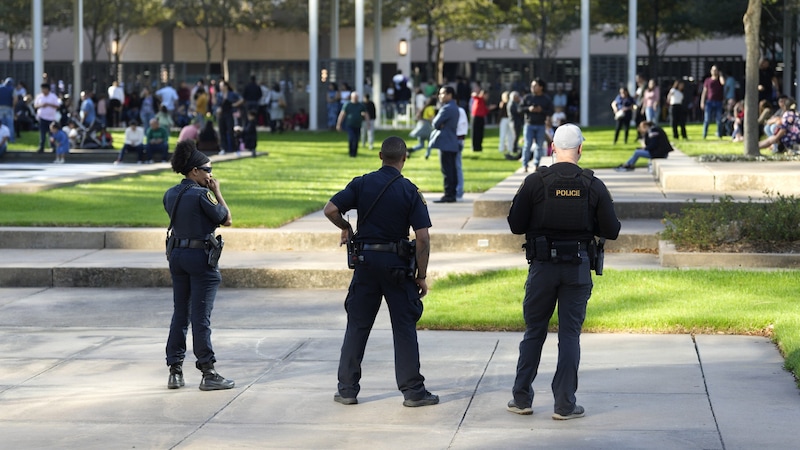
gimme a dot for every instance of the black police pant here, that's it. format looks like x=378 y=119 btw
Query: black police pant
x=372 y=280
x=194 y=287
x=569 y=285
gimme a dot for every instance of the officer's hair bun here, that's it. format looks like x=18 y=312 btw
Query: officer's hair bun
x=183 y=151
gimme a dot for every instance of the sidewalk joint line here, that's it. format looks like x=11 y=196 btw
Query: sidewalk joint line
x=241 y=392
x=474 y=392
x=705 y=387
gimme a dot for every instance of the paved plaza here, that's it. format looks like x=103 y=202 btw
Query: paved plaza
x=83 y=367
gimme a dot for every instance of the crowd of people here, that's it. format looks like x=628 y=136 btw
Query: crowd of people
x=233 y=116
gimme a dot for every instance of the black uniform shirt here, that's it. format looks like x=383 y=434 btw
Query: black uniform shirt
x=528 y=205
x=401 y=206
x=198 y=214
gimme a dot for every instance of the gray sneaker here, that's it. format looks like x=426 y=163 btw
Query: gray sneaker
x=576 y=413
x=337 y=397
x=512 y=406
x=427 y=400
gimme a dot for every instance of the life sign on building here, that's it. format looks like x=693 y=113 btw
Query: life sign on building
x=497 y=44
x=19 y=43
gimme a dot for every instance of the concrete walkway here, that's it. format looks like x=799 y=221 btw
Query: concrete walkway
x=83 y=367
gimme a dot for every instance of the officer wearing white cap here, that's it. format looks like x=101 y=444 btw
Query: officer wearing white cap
x=560 y=209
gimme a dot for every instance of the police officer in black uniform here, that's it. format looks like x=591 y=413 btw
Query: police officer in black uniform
x=200 y=210
x=387 y=205
x=560 y=209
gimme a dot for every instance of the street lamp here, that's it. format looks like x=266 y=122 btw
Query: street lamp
x=402 y=47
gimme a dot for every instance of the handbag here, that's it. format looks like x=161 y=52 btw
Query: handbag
x=619 y=114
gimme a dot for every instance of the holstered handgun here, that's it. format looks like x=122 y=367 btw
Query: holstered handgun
x=597 y=254
x=215 y=245
x=408 y=251
x=170 y=243
x=352 y=250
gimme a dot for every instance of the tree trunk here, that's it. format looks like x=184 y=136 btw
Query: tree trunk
x=429 y=63
x=225 y=73
x=439 y=60
x=752 y=24
x=10 y=48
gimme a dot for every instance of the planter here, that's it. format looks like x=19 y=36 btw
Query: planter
x=672 y=258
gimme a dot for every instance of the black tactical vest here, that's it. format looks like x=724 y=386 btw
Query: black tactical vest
x=566 y=200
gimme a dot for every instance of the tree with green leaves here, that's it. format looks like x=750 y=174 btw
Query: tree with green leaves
x=542 y=25
x=15 y=18
x=661 y=23
x=442 y=21
x=211 y=20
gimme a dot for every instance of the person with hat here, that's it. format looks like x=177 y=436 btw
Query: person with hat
x=560 y=209
x=196 y=208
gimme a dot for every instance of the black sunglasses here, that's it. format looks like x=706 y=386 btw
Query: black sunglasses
x=207 y=169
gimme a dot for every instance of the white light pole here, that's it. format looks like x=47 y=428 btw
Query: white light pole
x=632 y=12
x=313 y=62
x=38 y=57
x=77 y=28
x=359 y=87
x=585 y=75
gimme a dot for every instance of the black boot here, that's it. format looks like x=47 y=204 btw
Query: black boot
x=175 y=376
x=212 y=381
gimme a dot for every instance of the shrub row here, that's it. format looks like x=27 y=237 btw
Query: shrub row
x=771 y=225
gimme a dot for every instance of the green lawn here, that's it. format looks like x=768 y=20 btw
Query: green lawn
x=646 y=301
x=301 y=173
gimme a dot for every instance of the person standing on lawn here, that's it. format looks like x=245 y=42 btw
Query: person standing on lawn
x=560 y=209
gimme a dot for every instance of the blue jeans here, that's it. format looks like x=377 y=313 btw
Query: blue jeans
x=533 y=133
x=158 y=148
x=44 y=133
x=569 y=285
x=638 y=153
x=7 y=117
x=139 y=149
x=194 y=288
x=713 y=111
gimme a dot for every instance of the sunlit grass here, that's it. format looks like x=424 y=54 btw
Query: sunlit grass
x=645 y=301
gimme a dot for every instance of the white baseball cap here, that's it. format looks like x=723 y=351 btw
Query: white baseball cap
x=568 y=136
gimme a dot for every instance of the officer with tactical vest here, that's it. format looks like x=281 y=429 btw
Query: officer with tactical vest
x=560 y=209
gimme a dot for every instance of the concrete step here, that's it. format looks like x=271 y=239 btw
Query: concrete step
x=239 y=269
x=481 y=235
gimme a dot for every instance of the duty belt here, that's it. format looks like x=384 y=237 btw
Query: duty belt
x=578 y=245
x=191 y=243
x=388 y=248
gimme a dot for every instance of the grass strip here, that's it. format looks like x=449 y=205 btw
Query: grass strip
x=763 y=303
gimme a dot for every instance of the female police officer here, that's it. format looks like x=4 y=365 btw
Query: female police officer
x=196 y=208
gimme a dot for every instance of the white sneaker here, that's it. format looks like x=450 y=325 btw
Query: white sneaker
x=221 y=152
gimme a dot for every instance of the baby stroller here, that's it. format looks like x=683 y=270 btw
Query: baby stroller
x=90 y=137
